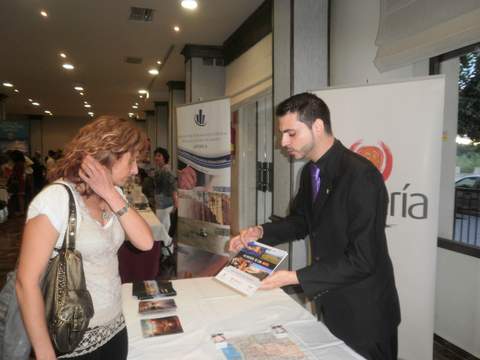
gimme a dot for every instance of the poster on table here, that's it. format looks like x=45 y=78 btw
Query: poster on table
x=398 y=126
x=204 y=171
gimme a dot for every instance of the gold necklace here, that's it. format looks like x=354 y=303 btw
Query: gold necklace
x=105 y=213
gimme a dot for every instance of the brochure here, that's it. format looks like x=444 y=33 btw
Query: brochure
x=250 y=266
x=161 y=326
x=156 y=306
x=149 y=289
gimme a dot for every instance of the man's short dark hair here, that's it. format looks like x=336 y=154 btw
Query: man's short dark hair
x=163 y=152
x=309 y=107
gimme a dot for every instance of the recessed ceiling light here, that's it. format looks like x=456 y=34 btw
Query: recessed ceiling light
x=159 y=62
x=131 y=114
x=81 y=93
x=176 y=28
x=43 y=13
x=16 y=90
x=87 y=105
x=48 y=112
x=142 y=91
x=134 y=107
x=35 y=103
x=140 y=96
x=153 y=72
x=30 y=100
x=91 y=113
x=7 y=84
x=78 y=88
x=136 y=104
x=189 y=4
x=68 y=66
x=63 y=55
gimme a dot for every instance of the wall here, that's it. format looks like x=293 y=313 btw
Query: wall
x=251 y=73
x=207 y=82
x=353 y=31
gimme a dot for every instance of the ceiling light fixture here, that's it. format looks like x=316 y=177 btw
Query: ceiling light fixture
x=16 y=90
x=81 y=93
x=78 y=88
x=153 y=72
x=68 y=66
x=131 y=114
x=35 y=103
x=91 y=113
x=142 y=91
x=43 y=13
x=189 y=4
x=30 y=100
x=63 y=55
x=48 y=112
x=87 y=105
x=134 y=107
x=7 y=84
x=159 y=62
x=176 y=28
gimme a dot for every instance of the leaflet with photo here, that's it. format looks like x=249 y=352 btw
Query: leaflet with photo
x=250 y=266
x=156 y=306
x=161 y=326
x=149 y=289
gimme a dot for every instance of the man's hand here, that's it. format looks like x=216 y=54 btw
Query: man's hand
x=278 y=279
x=247 y=235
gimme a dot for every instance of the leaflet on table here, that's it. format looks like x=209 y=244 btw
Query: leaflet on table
x=156 y=306
x=149 y=289
x=161 y=326
x=250 y=266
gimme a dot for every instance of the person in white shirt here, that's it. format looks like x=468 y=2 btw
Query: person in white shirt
x=97 y=162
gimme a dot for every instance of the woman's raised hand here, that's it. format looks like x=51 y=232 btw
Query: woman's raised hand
x=97 y=176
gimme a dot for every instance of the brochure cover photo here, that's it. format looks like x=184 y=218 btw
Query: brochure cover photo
x=156 y=306
x=149 y=289
x=250 y=266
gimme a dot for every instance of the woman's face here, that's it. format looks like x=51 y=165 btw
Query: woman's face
x=123 y=168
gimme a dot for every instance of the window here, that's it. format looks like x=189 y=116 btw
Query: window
x=466 y=209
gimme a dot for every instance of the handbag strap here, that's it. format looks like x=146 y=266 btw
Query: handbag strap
x=69 y=238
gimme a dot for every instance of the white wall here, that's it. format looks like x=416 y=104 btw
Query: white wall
x=207 y=82
x=251 y=73
x=353 y=31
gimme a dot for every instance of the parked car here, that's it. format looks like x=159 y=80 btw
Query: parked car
x=467 y=195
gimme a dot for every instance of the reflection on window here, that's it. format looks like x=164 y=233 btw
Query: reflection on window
x=467 y=185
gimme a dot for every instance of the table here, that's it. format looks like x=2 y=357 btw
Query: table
x=205 y=307
x=134 y=264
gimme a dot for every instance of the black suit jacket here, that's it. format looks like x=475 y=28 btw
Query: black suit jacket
x=351 y=275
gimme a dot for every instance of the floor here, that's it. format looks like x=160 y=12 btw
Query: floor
x=10 y=238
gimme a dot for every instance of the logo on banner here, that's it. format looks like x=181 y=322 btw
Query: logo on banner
x=380 y=156
x=200 y=118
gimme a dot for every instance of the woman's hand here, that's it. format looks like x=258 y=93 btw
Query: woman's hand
x=97 y=176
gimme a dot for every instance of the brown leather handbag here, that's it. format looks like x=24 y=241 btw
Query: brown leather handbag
x=68 y=304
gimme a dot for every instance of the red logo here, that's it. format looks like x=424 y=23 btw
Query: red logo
x=380 y=156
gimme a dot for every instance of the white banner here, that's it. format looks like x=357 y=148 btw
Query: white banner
x=398 y=126
x=204 y=168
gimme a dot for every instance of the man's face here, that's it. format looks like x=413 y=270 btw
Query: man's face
x=297 y=138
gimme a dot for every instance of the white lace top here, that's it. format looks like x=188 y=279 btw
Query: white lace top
x=98 y=245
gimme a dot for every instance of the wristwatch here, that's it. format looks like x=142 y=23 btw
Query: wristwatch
x=123 y=210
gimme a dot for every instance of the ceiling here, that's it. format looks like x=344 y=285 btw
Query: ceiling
x=97 y=36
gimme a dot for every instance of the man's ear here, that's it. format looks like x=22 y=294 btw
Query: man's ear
x=317 y=126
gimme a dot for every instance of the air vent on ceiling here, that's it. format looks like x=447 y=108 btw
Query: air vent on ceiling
x=141 y=14
x=133 y=60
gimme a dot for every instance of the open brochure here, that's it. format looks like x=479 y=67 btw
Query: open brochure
x=250 y=266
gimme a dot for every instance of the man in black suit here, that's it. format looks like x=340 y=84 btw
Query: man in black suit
x=342 y=205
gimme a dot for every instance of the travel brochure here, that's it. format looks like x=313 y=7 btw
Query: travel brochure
x=156 y=306
x=150 y=289
x=250 y=266
x=161 y=326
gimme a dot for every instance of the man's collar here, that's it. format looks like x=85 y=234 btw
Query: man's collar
x=328 y=161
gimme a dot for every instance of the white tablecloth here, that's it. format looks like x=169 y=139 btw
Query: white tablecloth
x=205 y=307
x=158 y=230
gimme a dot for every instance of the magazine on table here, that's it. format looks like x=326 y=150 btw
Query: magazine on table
x=156 y=306
x=150 y=289
x=161 y=326
x=250 y=266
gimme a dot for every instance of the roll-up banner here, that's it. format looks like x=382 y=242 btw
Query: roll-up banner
x=204 y=170
x=398 y=126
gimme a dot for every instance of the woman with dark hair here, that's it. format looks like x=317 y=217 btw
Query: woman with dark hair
x=99 y=160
